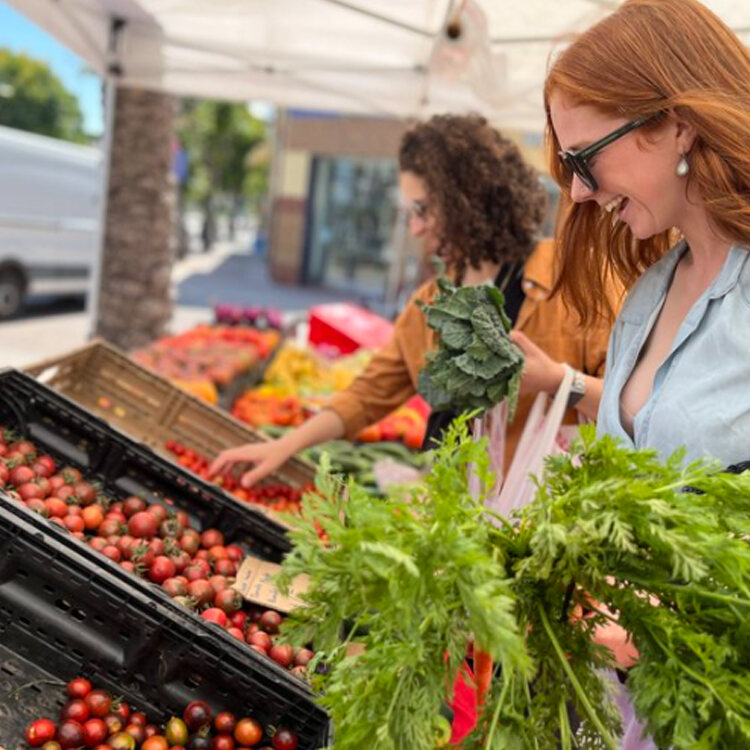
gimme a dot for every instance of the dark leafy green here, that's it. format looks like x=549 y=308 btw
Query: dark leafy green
x=476 y=365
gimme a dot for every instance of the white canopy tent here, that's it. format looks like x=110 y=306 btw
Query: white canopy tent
x=378 y=57
x=387 y=57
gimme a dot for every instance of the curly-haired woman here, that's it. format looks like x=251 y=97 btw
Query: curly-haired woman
x=475 y=203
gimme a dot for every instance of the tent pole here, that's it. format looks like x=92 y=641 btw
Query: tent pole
x=113 y=71
x=95 y=280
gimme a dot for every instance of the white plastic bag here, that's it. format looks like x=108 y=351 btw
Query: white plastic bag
x=543 y=435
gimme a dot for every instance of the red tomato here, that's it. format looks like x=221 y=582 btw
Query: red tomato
x=248 y=732
x=132 y=505
x=214 y=614
x=112 y=553
x=161 y=569
x=159 y=512
x=197 y=715
x=201 y=591
x=39 y=732
x=76 y=710
x=99 y=702
x=285 y=739
x=95 y=732
x=211 y=538
x=282 y=653
x=70 y=734
x=143 y=525
x=57 y=508
x=155 y=743
x=225 y=722
x=122 y=709
x=222 y=742
x=74 y=523
x=225 y=568
x=239 y=619
x=79 y=687
x=229 y=600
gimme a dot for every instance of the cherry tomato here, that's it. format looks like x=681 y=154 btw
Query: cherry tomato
x=114 y=723
x=285 y=739
x=248 y=732
x=157 y=742
x=122 y=709
x=229 y=600
x=95 y=732
x=176 y=731
x=197 y=715
x=137 y=732
x=270 y=621
x=222 y=742
x=225 y=722
x=39 y=732
x=76 y=710
x=214 y=614
x=70 y=734
x=99 y=702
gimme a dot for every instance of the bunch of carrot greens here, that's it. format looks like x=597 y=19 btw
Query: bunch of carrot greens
x=612 y=533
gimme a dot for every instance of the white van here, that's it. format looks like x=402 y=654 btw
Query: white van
x=50 y=191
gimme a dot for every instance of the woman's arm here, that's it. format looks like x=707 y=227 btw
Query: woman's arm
x=266 y=457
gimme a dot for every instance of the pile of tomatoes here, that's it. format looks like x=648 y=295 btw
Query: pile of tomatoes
x=94 y=719
x=278 y=497
x=215 y=353
x=154 y=541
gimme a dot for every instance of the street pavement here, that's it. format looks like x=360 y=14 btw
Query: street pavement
x=228 y=274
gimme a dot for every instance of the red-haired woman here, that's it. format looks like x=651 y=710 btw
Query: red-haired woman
x=649 y=126
x=648 y=120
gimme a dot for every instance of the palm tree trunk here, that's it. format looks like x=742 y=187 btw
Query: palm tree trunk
x=135 y=295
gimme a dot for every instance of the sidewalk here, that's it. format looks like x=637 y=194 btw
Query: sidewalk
x=228 y=274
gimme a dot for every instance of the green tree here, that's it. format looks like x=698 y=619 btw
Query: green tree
x=33 y=98
x=220 y=139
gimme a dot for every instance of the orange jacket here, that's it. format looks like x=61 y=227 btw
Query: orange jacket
x=391 y=377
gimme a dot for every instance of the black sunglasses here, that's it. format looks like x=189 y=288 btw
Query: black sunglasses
x=577 y=161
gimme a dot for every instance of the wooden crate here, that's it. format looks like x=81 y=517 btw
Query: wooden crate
x=149 y=408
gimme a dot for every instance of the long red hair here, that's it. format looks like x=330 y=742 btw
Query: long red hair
x=653 y=56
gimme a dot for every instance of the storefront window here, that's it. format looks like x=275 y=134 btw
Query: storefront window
x=352 y=211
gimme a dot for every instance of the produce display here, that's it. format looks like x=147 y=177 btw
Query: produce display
x=208 y=357
x=94 y=718
x=298 y=383
x=153 y=541
x=257 y=317
x=276 y=497
x=476 y=365
x=359 y=461
x=612 y=536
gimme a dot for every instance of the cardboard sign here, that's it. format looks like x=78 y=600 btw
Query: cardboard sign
x=254 y=584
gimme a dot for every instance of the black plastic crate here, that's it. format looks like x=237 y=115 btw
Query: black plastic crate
x=61 y=615
x=123 y=466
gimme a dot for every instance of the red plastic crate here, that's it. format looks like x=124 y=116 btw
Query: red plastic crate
x=347 y=328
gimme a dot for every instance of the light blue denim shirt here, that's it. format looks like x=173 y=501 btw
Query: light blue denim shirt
x=701 y=395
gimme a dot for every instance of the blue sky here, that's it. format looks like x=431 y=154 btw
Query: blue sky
x=21 y=35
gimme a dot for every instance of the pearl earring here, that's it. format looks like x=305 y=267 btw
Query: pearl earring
x=683 y=167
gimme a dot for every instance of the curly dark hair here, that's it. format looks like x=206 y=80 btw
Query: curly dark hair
x=488 y=203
